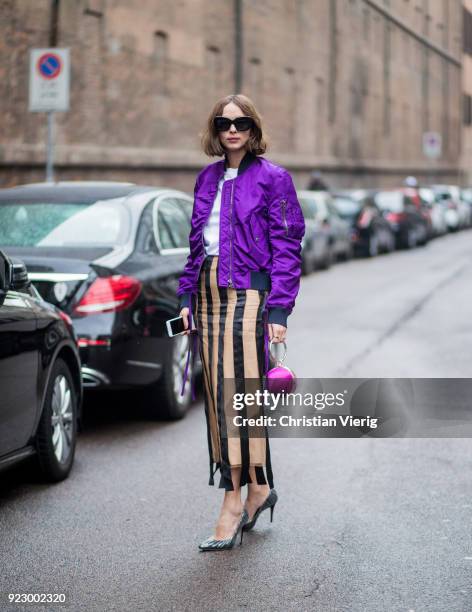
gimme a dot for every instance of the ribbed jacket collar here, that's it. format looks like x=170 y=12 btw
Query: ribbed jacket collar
x=246 y=161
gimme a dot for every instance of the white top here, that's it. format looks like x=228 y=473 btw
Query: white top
x=211 y=231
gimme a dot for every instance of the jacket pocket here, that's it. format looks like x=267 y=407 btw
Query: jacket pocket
x=292 y=218
x=256 y=232
x=283 y=212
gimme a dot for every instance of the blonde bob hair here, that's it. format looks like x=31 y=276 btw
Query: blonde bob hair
x=257 y=142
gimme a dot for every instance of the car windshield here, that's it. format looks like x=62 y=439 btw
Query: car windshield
x=389 y=200
x=59 y=224
x=347 y=207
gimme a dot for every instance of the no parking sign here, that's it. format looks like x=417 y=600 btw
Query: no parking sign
x=432 y=144
x=49 y=80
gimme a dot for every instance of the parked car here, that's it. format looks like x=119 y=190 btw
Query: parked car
x=466 y=196
x=325 y=226
x=437 y=211
x=465 y=216
x=406 y=220
x=457 y=212
x=370 y=231
x=465 y=211
x=414 y=196
x=423 y=209
x=317 y=251
x=40 y=380
x=110 y=256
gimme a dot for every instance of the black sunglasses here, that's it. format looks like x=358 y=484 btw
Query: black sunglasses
x=222 y=124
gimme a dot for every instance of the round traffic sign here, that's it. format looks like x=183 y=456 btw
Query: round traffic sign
x=49 y=65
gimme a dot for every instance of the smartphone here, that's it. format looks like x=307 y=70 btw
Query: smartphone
x=176 y=326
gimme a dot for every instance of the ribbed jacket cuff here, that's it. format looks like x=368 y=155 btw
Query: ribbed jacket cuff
x=278 y=315
x=184 y=301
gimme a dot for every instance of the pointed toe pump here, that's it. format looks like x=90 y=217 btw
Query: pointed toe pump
x=270 y=502
x=212 y=544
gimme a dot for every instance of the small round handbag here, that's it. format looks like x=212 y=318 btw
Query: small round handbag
x=280 y=378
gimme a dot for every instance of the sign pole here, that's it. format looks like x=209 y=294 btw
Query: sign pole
x=49 y=88
x=50 y=148
x=432 y=149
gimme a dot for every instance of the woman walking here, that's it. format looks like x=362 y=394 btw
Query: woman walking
x=239 y=285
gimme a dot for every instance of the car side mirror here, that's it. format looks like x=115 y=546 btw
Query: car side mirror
x=19 y=275
x=5 y=271
x=5 y=275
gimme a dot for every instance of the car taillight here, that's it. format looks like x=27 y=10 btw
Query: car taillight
x=109 y=294
x=364 y=219
x=86 y=342
x=395 y=217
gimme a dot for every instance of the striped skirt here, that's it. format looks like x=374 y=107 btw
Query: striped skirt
x=231 y=345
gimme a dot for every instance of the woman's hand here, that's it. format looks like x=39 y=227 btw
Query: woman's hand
x=184 y=313
x=277 y=332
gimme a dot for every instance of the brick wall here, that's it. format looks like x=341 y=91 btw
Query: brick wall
x=347 y=86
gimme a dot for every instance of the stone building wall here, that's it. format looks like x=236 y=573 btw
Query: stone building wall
x=345 y=86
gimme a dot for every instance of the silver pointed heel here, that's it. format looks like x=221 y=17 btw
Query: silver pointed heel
x=270 y=502
x=212 y=544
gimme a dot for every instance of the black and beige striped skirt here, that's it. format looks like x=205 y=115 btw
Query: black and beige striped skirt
x=231 y=345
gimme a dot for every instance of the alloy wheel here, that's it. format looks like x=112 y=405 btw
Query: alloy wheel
x=373 y=246
x=61 y=419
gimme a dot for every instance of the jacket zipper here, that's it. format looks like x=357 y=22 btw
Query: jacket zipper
x=283 y=205
x=230 y=280
x=203 y=258
x=203 y=240
x=201 y=264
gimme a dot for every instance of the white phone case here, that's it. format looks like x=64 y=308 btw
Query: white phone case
x=169 y=328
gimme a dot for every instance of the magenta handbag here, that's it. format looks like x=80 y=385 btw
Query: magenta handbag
x=280 y=378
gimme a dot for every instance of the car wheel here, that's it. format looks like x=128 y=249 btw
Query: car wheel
x=328 y=258
x=391 y=244
x=163 y=399
x=348 y=253
x=411 y=240
x=373 y=249
x=424 y=241
x=306 y=267
x=57 y=430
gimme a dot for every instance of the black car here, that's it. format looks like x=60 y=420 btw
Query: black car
x=110 y=256
x=370 y=231
x=408 y=219
x=40 y=380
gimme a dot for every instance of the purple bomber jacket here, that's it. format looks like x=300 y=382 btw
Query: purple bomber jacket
x=261 y=228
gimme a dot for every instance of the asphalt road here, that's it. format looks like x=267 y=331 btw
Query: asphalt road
x=362 y=525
